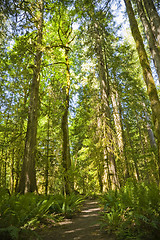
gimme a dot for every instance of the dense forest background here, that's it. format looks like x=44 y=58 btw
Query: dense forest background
x=80 y=108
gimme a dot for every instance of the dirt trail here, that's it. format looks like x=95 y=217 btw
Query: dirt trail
x=84 y=226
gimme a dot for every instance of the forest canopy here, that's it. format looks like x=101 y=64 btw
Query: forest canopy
x=79 y=97
x=79 y=109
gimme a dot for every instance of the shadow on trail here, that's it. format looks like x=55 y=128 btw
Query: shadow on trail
x=84 y=226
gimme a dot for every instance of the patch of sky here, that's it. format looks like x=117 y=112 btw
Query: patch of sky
x=75 y=25
x=120 y=17
x=155 y=76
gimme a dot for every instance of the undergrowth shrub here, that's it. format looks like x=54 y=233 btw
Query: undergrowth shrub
x=21 y=212
x=67 y=205
x=133 y=212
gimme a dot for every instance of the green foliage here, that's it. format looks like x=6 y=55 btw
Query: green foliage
x=10 y=232
x=67 y=205
x=20 y=212
x=133 y=211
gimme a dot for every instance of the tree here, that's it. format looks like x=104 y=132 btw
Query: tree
x=28 y=175
x=147 y=74
x=66 y=160
x=75 y=113
x=154 y=18
x=153 y=43
x=119 y=130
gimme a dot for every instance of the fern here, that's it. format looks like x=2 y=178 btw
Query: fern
x=133 y=211
x=10 y=232
x=19 y=212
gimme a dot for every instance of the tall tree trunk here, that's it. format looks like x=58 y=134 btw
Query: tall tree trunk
x=147 y=74
x=12 y=171
x=100 y=173
x=154 y=49
x=19 y=151
x=66 y=160
x=17 y=174
x=1 y=170
x=154 y=18
x=143 y=148
x=104 y=88
x=150 y=134
x=100 y=158
x=6 y=154
x=149 y=129
x=28 y=175
x=119 y=131
x=47 y=153
x=133 y=154
x=5 y=168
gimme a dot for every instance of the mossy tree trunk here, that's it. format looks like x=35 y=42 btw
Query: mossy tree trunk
x=119 y=132
x=28 y=174
x=47 y=151
x=105 y=92
x=66 y=160
x=153 y=44
x=154 y=18
x=147 y=74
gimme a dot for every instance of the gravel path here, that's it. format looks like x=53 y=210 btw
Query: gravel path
x=85 y=226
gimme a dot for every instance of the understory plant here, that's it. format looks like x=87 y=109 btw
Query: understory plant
x=67 y=205
x=21 y=213
x=132 y=212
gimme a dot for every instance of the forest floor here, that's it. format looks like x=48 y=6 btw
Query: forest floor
x=84 y=225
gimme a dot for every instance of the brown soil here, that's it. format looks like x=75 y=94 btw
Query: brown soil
x=85 y=226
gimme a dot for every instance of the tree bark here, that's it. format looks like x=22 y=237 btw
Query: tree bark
x=133 y=154
x=143 y=148
x=119 y=131
x=153 y=45
x=12 y=170
x=104 y=88
x=154 y=18
x=149 y=130
x=147 y=74
x=66 y=160
x=47 y=152
x=100 y=177
x=150 y=134
x=28 y=175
